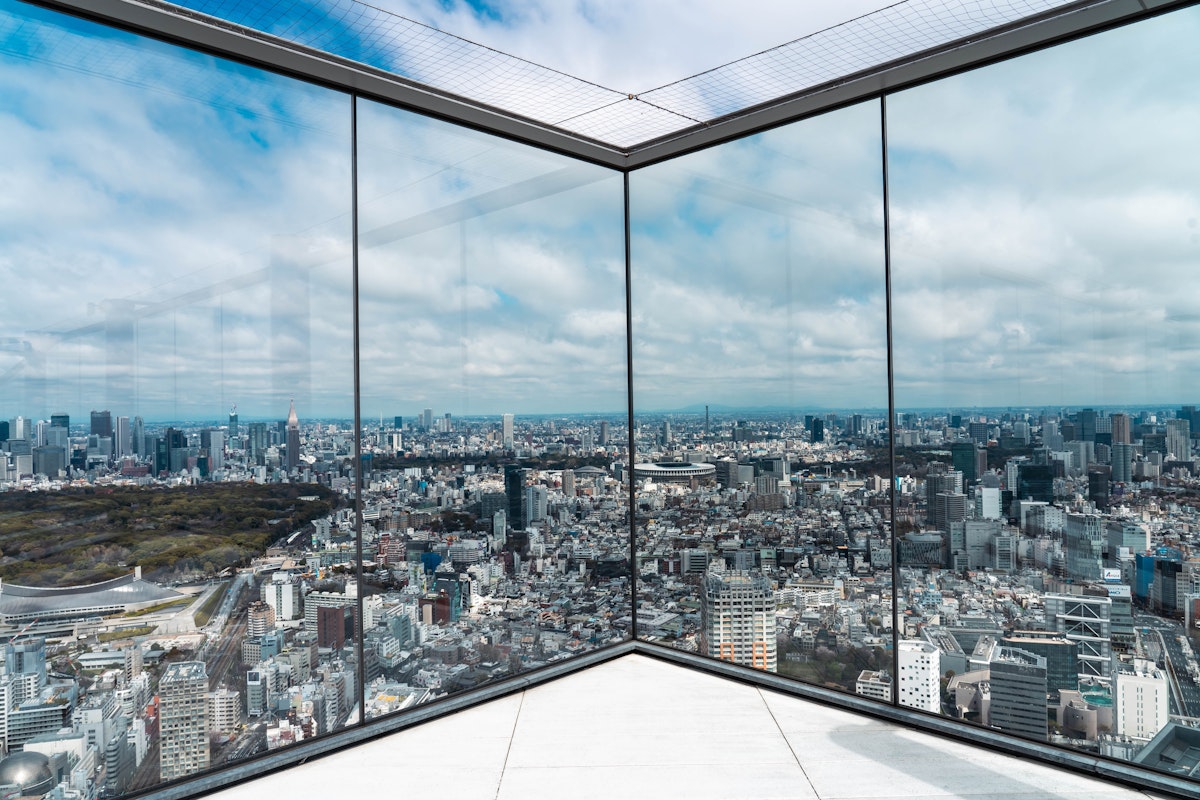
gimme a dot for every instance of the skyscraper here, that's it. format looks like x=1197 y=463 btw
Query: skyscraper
x=427 y=419
x=1018 y=683
x=1120 y=429
x=738 y=619
x=234 y=432
x=122 y=438
x=102 y=424
x=183 y=722
x=506 y=432
x=293 y=438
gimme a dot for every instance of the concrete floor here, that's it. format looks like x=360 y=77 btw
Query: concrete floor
x=636 y=727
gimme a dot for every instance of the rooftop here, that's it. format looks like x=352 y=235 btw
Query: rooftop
x=638 y=727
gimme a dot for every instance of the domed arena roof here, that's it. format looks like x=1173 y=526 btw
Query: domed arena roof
x=28 y=770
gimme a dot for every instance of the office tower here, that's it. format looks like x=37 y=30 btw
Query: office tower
x=293 y=438
x=1099 y=485
x=183 y=720
x=1061 y=654
x=1087 y=425
x=49 y=460
x=26 y=662
x=666 y=432
x=987 y=502
x=604 y=433
x=919 y=681
x=427 y=419
x=1141 y=700
x=506 y=432
x=970 y=460
x=234 y=430
x=514 y=488
x=707 y=429
x=1120 y=429
x=398 y=423
x=19 y=428
x=257 y=441
x=1035 y=482
x=568 y=483
x=948 y=507
x=1018 y=683
x=5 y=427
x=978 y=431
x=816 y=430
x=1178 y=441
x=61 y=420
x=535 y=504
x=738 y=619
x=122 y=438
x=216 y=449
x=1122 y=462
x=284 y=598
x=1125 y=534
x=1087 y=621
x=102 y=424
x=1084 y=541
x=139 y=437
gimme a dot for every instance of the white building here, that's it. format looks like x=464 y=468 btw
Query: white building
x=920 y=673
x=738 y=618
x=1140 y=700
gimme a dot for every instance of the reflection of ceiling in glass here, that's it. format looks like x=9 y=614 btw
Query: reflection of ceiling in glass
x=483 y=75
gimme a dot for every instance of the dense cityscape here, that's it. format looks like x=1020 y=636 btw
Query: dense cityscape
x=1047 y=579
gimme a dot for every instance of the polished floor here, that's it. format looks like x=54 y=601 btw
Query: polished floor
x=636 y=727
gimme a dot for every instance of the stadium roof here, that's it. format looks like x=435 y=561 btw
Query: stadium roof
x=28 y=602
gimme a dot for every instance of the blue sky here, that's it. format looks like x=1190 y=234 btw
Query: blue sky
x=174 y=237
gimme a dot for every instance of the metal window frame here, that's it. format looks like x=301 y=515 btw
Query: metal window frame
x=161 y=21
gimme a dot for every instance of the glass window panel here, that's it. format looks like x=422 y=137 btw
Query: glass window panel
x=493 y=358
x=760 y=394
x=175 y=254
x=1044 y=218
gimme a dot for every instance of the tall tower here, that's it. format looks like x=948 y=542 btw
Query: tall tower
x=183 y=721
x=738 y=619
x=293 y=438
x=506 y=431
x=234 y=432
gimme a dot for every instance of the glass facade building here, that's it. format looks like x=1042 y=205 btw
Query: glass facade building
x=329 y=405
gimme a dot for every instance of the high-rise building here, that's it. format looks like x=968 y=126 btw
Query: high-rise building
x=568 y=483
x=1179 y=441
x=738 y=619
x=604 y=433
x=293 y=438
x=1018 y=684
x=1084 y=541
x=427 y=419
x=535 y=504
x=102 y=424
x=506 y=432
x=1087 y=621
x=183 y=719
x=948 y=507
x=1121 y=458
x=1141 y=700
x=919 y=681
x=61 y=420
x=969 y=459
x=122 y=438
x=1120 y=429
x=514 y=488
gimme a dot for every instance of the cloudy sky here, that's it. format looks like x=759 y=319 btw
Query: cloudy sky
x=175 y=233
